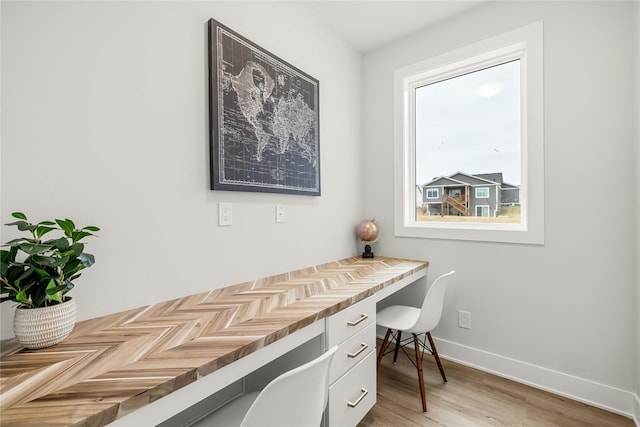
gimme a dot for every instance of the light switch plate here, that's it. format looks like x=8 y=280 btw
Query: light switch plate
x=280 y=214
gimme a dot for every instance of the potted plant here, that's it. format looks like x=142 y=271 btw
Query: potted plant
x=37 y=273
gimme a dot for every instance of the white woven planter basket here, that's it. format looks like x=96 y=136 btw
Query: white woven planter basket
x=45 y=326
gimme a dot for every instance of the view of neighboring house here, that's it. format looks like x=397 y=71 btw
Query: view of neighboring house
x=469 y=195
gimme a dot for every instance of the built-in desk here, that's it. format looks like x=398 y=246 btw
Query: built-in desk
x=142 y=366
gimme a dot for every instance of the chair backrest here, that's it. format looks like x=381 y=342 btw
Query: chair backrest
x=432 y=305
x=296 y=398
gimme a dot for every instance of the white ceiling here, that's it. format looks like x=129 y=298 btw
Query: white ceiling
x=368 y=25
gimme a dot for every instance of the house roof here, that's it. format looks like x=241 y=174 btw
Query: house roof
x=461 y=178
x=507 y=186
x=443 y=181
x=495 y=177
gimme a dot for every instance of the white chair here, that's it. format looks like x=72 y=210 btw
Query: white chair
x=296 y=398
x=416 y=321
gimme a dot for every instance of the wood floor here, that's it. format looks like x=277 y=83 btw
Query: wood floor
x=473 y=398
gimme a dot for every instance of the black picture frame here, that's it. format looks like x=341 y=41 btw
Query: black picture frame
x=264 y=119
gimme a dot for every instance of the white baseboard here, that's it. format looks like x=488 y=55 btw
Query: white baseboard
x=590 y=392
x=612 y=399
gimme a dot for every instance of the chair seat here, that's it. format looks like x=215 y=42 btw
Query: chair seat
x=398 y=317
x=230 y=414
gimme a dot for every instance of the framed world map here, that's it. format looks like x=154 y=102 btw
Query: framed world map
x=264 y=119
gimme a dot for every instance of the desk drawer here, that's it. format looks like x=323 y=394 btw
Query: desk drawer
x=349 y=321
x=352 y=351
x=353 y=395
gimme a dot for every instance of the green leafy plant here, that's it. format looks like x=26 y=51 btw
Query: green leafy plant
x=37 y=272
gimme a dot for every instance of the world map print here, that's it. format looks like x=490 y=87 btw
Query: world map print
x=264 y=132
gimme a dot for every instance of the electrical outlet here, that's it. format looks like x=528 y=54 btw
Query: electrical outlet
x=225 y=214
x=279 y=213
x=464 y=319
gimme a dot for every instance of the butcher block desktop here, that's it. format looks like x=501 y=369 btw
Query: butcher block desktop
x=114 y=366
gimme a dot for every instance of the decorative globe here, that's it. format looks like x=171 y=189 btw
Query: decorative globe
x=368 y=231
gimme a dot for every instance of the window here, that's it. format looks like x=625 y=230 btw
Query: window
x=432 y=193
x=482 y=193
x=438 y=142
x=469 y=122
x=482 y=210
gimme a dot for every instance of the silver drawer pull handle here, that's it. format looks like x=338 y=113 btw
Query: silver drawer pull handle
x=362 y=318
x=363 y=347
x=362 y=396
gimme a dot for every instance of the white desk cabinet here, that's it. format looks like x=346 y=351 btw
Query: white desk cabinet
x=354 y=394
x=352 y=390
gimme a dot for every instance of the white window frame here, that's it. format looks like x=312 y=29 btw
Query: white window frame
x=433 y=189
x=524 y=43
x=483 y=188
x=487 y=207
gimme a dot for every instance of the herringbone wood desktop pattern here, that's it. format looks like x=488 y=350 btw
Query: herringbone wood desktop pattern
x=112 y=365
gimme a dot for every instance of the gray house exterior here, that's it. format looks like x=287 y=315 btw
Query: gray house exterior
x=468 y=195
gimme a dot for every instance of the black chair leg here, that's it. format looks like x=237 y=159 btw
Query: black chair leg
x=395 y=352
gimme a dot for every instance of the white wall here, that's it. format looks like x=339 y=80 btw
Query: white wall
x=105 y=120
x=562 y=315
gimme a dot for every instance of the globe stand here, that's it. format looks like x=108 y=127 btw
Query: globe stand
x=367 y=252
x=368 y=232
